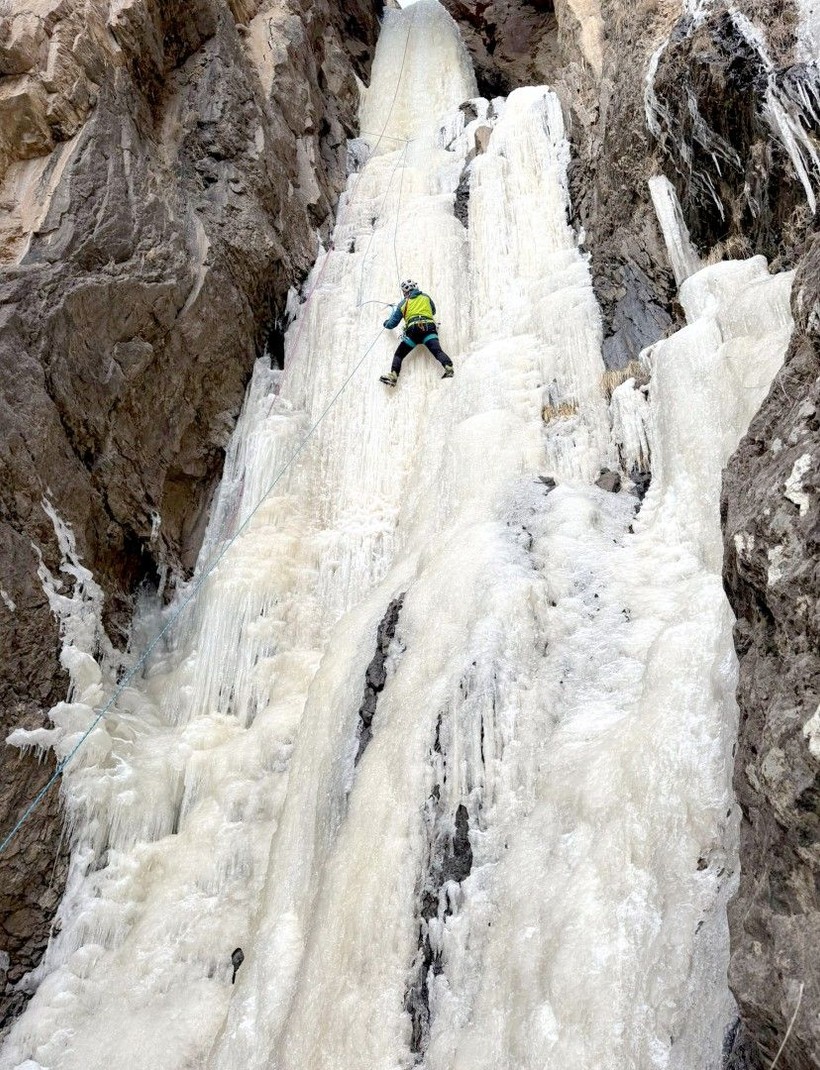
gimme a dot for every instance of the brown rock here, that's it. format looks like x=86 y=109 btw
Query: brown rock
x=482 y=138
x=772 y=577
x=24 y=129
x=737 y=187
x=609 y=480
x=22 y=36
x=21 y=922
x=511 y=44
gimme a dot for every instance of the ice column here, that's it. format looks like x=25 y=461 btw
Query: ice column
x=682 y=255
x=595 y=932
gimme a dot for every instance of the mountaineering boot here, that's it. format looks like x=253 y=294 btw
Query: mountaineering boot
x=390 y=379
x=448 y=372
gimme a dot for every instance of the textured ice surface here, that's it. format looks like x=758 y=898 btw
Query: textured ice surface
x=529 y=865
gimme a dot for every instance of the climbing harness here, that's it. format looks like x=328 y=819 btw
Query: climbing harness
x=427 y=338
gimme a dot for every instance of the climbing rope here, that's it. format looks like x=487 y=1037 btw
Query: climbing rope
x=354 y=192
x=398 y=210
x=387 y=137
x=126 y=679
x=121 y=686
x=365 y=259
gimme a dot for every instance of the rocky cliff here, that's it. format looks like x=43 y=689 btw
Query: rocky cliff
x=164 y=170
x=773 y=582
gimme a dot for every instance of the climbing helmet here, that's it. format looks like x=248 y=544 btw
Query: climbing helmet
x=408 y=286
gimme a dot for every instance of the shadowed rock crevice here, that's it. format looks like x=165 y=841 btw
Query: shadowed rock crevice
x=461 y=204
x=376 y=675
x=275 y=340
x=641 y=480
x=739 y=1050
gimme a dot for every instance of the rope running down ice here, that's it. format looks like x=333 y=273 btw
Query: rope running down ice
x=355 y=189
x=123 y=683
x=365 y=259
x=184 y=605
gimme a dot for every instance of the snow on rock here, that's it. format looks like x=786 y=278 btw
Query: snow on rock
x=794 y=484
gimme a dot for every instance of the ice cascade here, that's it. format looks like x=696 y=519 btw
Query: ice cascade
x=502 y=835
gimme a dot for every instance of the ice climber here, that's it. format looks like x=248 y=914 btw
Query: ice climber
x=417 y=310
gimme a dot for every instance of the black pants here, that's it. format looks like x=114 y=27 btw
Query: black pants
x=417 y=333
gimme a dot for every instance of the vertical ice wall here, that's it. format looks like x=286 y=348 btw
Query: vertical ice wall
x=525 y=865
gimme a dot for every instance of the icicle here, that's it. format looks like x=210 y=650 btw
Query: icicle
x=682 y=255
x=784 y=113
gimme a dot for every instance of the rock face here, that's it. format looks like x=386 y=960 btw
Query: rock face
x=616 y=156
x=376 y=675
x=511 y=44
x=772 y=527
x=164 y=168
x=730 y=159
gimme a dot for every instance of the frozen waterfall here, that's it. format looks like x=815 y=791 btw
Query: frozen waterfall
x=526 y=864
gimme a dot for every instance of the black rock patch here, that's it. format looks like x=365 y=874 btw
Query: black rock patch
x=376 y=674
x=461 y=204
x=450 y=859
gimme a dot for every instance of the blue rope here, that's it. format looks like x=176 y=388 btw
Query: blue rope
x=58 y=772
